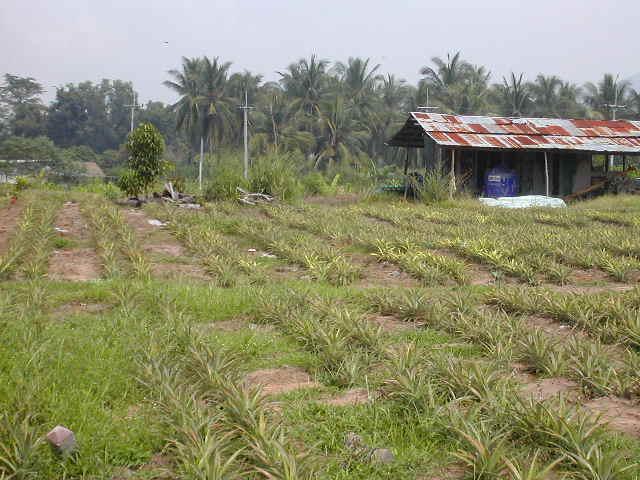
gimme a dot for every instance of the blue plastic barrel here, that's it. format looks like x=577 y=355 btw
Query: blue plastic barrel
x=500 y=182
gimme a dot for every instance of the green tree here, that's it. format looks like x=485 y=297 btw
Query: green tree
x=217 y=108
x=545 y=92
x=513 y=95
x=23 y=112
x=91 y=114
x=145 y=147
x=305 y=82
x=608 y=91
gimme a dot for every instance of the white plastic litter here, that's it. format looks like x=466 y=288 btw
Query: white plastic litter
x=268 y=255
x=156 y=223
x=252 y=250
x=526 y=201
x=61 y=230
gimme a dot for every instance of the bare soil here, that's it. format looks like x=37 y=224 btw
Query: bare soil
x=591 y=289
x=79 y=263
x=392 y=324
x=356 y=396
x=9 y=217
x=621 y=414
x=275 y=381
x=167 y=256
x=452 y=472
x=553 y=328
x=75 y=308
x=376 y=274
x=541 y=389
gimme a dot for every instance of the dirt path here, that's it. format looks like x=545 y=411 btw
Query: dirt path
x=77 y=261
x=167 y=256
x=380 y=274
x=9 y=218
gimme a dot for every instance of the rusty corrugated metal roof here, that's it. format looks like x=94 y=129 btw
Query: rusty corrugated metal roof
x=619 y=136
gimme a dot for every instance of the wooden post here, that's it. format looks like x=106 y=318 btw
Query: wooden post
x=452 y=180
x=546 y=173
x=406 y=170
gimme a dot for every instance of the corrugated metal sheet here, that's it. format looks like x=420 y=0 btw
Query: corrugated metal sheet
x=620 y=136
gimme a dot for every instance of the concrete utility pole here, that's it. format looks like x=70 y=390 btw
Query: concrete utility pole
x=614 y=109
x=134 y=105
x=245 y=110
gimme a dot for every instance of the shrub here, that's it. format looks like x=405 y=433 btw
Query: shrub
x=130 y=183
x=22 y=183
x=435 y=187
x=145 y=146
x=225 y=176
x=315 y=183
x=275 y=175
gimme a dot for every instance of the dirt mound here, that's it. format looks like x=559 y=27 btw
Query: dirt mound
x=9 y=217
x=160 y=245
x=76 y=265
x=356 y=396
x=275 y=381
x=621 y=414
x=546 y=388
x=376 y=274
x=391 y=324
x=75 y=308
x=79 y=263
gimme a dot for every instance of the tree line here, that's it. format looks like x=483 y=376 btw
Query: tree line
x=329 y=111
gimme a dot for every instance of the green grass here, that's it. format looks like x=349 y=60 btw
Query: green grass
x=138 y=366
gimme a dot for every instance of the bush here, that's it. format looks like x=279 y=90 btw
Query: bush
x=145 y=146
x=131 y=183
x=224 y=177
x=22 y=183
x=435 y=187
x=276 y=175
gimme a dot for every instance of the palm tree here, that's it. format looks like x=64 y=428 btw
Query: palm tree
x=634 y=100
x=568 y=103
x=343 y=132
x=513 y=94
x=186 y=83
x=545 y=92
x=445 y=73
x=305 y=83
x=358 y=80
x=216 y=106
x=599 y=97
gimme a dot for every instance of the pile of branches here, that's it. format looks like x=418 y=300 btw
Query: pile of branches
x=249 y=198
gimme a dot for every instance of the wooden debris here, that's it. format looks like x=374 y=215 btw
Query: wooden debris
x=249 y=198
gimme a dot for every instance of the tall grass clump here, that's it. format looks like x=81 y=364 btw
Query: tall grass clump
x=435 y=187
x=272 y=174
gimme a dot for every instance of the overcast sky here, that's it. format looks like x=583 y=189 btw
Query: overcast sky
x=61 y=41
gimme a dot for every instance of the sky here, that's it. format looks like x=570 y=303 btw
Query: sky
x=69 y=41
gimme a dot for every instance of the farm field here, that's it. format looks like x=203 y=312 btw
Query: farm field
x=363 y=340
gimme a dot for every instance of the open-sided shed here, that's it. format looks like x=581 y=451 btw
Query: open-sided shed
x=551 y=156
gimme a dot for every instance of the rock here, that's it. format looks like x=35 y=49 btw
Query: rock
x=382 y=455
x=62 y=440
x=353 y=441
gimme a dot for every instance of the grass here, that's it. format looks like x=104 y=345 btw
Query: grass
x=142 y=368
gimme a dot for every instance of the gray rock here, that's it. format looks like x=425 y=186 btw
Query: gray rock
x=62 y=440
x=382 y=455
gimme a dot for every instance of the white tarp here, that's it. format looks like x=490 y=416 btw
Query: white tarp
x=526 y=201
